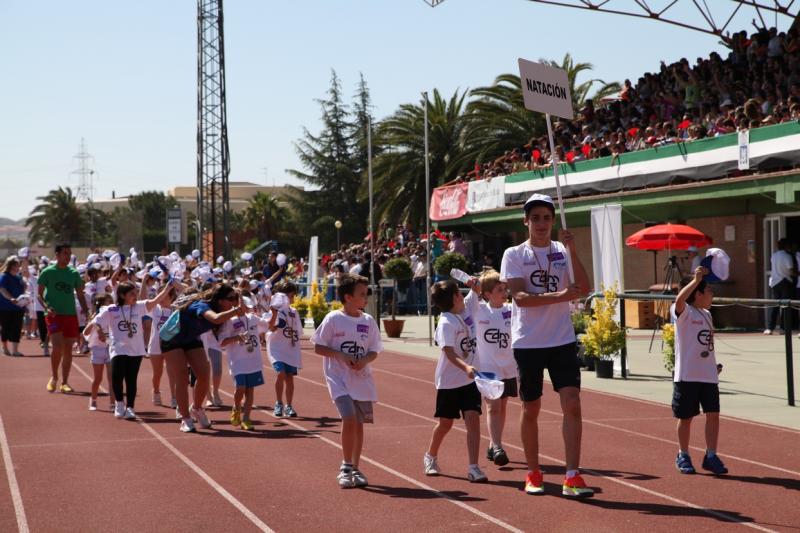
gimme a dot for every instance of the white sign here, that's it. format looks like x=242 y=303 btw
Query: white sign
x=545 y=89
x=174 y=226
x=486 y=194
x=744 y=149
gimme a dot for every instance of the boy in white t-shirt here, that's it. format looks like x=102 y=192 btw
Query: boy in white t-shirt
x=542 y=336
x=349 y=341
x=696 y=380
x=283 y=345
x=488 y=305
x=456 y=392
x=239 y=338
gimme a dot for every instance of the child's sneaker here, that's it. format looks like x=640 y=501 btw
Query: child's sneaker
x=575 y=487
x=345 y=477
x=278 y=411
x=51 y=385
x=714 y=464
x=236 y=416
x=534 y=483
x=247 y=425
x=500 y=458
x=187 y=426
x=431 y=465
x=119 y=410
x=684 y=463
x=93 y=405
x=130 y=414
x=476 y=475
x=490 y=453
x=157 y=398
x=65 y=388
x=289 y=412
x=359 y=479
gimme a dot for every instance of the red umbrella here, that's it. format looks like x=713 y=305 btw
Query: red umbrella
x=668 y=237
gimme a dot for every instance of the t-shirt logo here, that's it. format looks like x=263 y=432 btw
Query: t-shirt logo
x=162 y=321
x=468 y=346
x=706 y=338
x=290 y=334
x=539 y=278
x=353 y=349
x=362 y=328
x=124 y=324
x=60 y=286
x=495 y=336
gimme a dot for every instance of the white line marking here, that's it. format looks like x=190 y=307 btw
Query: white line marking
x=711 y=512
x=392 y=471
x=16 y=497
x=199 y=471
x=628 y=431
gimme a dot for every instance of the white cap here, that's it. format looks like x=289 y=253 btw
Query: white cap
x=81 y=269
x=227 y=266
x=196 y=254
x=248 y=302
x=718 y=262
x=246 y=271
x=91 y=258
x=538 y=198
x=247 y=256
x=95 y=266
x=281 y=259
x=220 y=260
x=23 y=252
x=174 y=256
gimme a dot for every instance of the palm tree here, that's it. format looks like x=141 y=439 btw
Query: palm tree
x=498 y=121
x=57 y=219
x=264 y=214
x=399 y=170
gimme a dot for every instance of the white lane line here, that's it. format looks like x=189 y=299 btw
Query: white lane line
x=199 y=471
x=711 y=512
x=392 y=471
x=16 y=497
x=628 y=431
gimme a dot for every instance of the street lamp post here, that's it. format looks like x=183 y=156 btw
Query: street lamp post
x=338 y=225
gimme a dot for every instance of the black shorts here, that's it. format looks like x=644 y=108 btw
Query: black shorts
x=510 y=389
x=450 y=403
x=562 y=365
x=689 y=396
x=167 y=346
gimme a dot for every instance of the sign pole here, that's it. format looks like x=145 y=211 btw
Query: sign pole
x=558 y=191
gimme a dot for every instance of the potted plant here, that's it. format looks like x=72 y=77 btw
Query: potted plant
x=579 y=321
x=604 y=337
x=301 y=306
x=668 y=336
x=447 y=262
x=398 y=269
x=318 y=306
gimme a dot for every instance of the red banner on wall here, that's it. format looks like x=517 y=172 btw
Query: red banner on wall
x=449 y=202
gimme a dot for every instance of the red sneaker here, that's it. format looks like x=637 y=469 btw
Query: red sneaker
x=575 y=487
x=534 y=483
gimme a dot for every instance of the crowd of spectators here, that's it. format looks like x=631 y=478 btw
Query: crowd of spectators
x=757 y=84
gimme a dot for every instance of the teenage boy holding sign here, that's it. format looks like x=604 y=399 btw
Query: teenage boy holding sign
x=542 y=336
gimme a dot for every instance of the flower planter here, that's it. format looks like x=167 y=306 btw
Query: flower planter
x=588 y=361
x=394 y=328
x=604 y=368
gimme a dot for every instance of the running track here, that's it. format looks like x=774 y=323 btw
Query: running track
x=66 y=469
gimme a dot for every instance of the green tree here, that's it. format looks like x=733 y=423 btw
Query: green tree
x=264 y=214
x=58 y=218
x=399 y=170
x=153 y=206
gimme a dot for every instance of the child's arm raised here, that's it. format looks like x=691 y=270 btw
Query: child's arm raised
x=457 y=361
x=680 y=300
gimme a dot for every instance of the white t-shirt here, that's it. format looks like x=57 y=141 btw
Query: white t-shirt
x=458 y=332
x=244 y=358
x=694 y=337
x=93 y=339
x=356 y=336
x=33 y=289
x=279 y=342
x=493 y=335
x=548 y=325
x=160 y=315
x=210 y=341
x=119 y=322
x=781 y=267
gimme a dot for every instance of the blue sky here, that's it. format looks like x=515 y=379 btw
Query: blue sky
x=122 y=75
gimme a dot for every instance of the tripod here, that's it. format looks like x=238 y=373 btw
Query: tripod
x=673 y=275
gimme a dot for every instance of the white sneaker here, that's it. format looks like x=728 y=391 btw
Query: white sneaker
x=157 y=398
x=767 y=331
x=173 y=403
x=217 y=401
x=476 y=475
x=345 y=477
x=187 y=426
x=93 y=405
x=359 y=479
x=119 y=410
x=431 y=465
x=177 y=413
x=130 y=414
x=200 y=416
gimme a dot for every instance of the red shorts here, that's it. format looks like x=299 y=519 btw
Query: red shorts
x=67 y=325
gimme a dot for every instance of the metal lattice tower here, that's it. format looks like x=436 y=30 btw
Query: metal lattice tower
x=85 y=190
x=213 y=163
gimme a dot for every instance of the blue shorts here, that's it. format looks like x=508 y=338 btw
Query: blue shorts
x=249 y=380
x=279 y=367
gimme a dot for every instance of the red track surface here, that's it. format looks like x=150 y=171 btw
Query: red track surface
x=83 y=471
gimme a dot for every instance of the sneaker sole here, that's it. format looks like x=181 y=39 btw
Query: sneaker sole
x=535 y=492
x=431 y=474
x=478 y=480
x=571 y=494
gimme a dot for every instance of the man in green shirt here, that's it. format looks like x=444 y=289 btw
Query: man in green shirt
x=58 y=285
